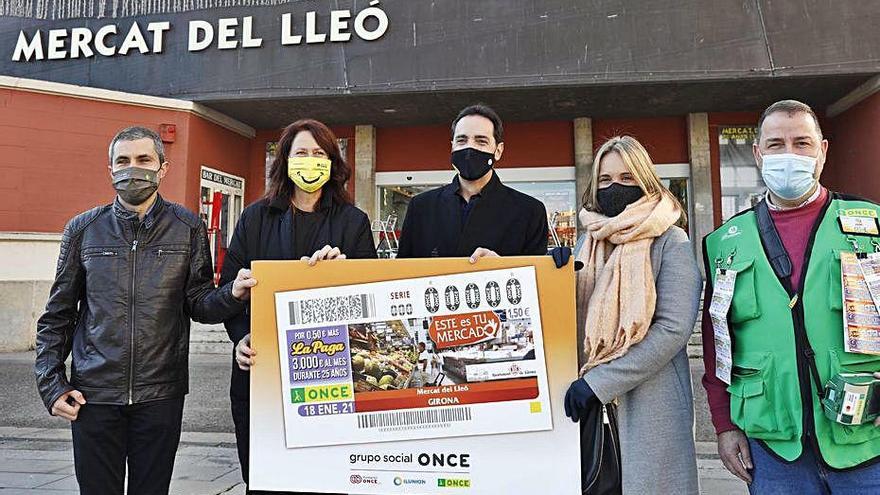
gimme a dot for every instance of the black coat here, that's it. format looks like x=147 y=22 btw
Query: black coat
x=265 y=232
x=503 y=219
x=123 y=296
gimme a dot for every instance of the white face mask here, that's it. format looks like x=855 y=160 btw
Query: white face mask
x=789 y=175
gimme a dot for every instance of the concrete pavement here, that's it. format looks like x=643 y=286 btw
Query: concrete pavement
x=40 y=461
x=207 y=405
x=36 y=455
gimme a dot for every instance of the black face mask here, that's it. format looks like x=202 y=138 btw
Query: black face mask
x=135 y=185
x=616 y=197
x=471 y=163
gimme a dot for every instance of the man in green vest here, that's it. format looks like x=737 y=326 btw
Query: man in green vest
x=773 y=324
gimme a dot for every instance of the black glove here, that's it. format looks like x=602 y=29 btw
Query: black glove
x=577 y=398
x=560 y=255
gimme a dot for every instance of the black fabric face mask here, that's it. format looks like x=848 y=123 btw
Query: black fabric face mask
x=472 y=163
x=615 y=198
x=135 y=185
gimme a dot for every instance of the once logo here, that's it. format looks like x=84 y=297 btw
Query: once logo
x=454 y=483
x=357 y=479
x=733 y=231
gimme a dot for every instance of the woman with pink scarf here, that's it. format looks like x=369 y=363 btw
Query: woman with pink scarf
x=637 y=297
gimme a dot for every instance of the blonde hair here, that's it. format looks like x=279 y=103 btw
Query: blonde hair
x=637 y=161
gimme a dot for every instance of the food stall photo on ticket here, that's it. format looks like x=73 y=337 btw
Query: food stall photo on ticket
x=418 y=358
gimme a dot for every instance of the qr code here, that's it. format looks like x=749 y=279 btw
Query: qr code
x=332 y=309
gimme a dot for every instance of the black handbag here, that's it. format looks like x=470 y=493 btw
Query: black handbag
x=600 y=451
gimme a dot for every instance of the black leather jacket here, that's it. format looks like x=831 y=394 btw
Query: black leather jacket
x=122 y=300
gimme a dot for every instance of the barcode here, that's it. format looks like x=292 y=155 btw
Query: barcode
x=417 y=417
x=340 y=308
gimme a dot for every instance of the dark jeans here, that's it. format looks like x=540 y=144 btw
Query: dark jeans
x=241 y=409
x=806 y=476
x=145 y=435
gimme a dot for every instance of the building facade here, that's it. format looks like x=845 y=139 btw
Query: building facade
x=219 y=80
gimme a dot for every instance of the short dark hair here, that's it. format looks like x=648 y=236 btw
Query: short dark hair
x=790 y=107
x=134 y=133
x=482 y=111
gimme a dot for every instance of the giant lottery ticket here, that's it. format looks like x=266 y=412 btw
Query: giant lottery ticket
x=419 y=358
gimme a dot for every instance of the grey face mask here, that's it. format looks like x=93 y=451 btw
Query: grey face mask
x=135 y=185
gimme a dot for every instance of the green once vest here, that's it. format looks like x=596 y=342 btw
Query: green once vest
x=765 y=390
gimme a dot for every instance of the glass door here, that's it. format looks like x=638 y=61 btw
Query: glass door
x=560 y=200
x=221 y=200
x=676 y=178
x=553 y=186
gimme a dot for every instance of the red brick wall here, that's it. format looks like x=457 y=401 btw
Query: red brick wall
x=216 y=147
x=854 y=150
x=665 y=138
x=526 y=144
x=53 y=156
x=257 y=173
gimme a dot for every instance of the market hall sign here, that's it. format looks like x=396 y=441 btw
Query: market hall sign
x=229 y=33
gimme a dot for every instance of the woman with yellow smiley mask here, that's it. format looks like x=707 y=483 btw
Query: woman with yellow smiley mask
x=306 y=214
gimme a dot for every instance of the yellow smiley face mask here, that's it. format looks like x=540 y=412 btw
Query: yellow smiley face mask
x=309 y=173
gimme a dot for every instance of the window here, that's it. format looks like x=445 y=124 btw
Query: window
x=741 y=183
x=560 y=200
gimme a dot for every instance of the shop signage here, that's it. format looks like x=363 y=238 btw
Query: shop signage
x=223 y=179
x=228 y=33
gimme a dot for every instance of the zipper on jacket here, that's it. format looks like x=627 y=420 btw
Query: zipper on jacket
x=601 y=443
x=131 y=315
x=101 y=254
x=167 y=252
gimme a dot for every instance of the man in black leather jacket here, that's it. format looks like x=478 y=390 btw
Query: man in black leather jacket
x=130 y=276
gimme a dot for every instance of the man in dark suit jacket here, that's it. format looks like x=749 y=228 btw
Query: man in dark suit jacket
x=475 y=215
